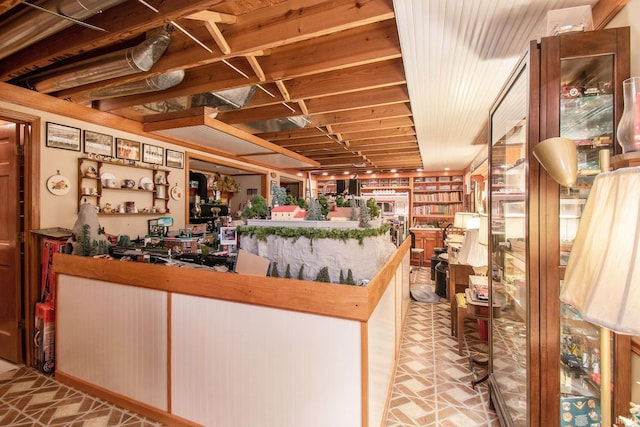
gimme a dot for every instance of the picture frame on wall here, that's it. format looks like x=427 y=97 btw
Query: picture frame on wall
x=98 y=143
x=174 y=159
x=64 y=137
x=127 y=149
x=152 y=154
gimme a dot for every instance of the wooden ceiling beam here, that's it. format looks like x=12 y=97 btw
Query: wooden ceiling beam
x=371 y=43
x=400 y=139
x=296 y=20
x=353 y=79
x=211 y=20
x=362 y=114
x=355 y=100
x=399 y=146
x=7 y=5
x=384 y=133
x=390 y=123
x=299 y=142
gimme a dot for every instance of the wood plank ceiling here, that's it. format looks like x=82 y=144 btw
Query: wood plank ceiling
x=338 y=63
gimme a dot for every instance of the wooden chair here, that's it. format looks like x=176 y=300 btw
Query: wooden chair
x=414 y=250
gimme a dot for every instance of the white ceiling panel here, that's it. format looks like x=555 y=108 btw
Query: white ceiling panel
x=457 y=55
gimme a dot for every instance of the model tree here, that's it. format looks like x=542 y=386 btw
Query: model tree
x=257 y=208
x=314 y=213
x=364 y=216
x=301 y=273
x=323 y=275
x=374 y=209
x=354 y=213
x=279 y=195
x=287 y=273
x=324 y=205
x=350 y=280
x=274 y=270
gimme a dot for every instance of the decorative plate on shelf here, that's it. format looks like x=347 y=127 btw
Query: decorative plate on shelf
x=176 y=193
x=58 y=185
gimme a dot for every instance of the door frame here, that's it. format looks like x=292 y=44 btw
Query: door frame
x=31 y=263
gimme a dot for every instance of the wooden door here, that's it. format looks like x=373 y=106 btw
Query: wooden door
x=10 y=264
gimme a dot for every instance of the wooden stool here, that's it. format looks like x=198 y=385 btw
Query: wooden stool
x=472 y=310
x=420 y=253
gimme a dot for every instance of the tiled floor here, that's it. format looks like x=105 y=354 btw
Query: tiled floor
x=432 y=386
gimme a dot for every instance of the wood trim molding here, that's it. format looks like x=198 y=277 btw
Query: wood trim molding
x=604 y=11
x=330 y=299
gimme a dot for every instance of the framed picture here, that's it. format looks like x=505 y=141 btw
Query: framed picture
x=228 y=236
x=152 y=154
x=127 y=149
x=61 y=136
x=175 y=159
x=98 y=143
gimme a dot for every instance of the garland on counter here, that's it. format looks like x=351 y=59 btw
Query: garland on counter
x=344 y=234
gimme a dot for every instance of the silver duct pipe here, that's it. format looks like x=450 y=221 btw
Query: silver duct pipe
x=224 y=100
x=31 y=26
x=151 y=84
x=116 y=64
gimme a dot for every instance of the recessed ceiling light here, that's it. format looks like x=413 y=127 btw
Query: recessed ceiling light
x=419 y=170
x=393 y=170
x=324 y=174
x=447 y=169
x=345 y=173
x=369 y=171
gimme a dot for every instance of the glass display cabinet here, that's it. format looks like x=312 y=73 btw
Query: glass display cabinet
x=544 y=359
x=508 y=194
x=582 y=86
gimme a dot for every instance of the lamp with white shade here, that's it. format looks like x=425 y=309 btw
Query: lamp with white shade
x=474 y=247
x=602 y=279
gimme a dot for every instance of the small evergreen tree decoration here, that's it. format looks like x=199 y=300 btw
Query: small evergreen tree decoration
x=287 y=273
x=302 y=203
x=323 y=275
x=274 y=270
x=289 y=200
x=124 y=241
x=354 y=214
x=324 y=205
x=256 y=209
x=84 y=245
x=301 y=273
x=341 y=280
x=364 y=216
x=374 y=209
x=350 y=280
x=278 y=196
x=314 y=213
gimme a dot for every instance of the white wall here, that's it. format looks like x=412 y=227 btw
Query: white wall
x=61 y=211
x=629 y=16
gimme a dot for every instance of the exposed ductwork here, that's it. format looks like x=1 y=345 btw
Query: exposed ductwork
x=116 y=64
x=277 y=125
x=225 y=100
x=151 y=84
x=32 y=25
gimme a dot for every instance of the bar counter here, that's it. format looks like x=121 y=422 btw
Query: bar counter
x=195 y=347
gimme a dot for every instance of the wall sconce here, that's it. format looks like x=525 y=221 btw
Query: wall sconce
x=559 y=157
